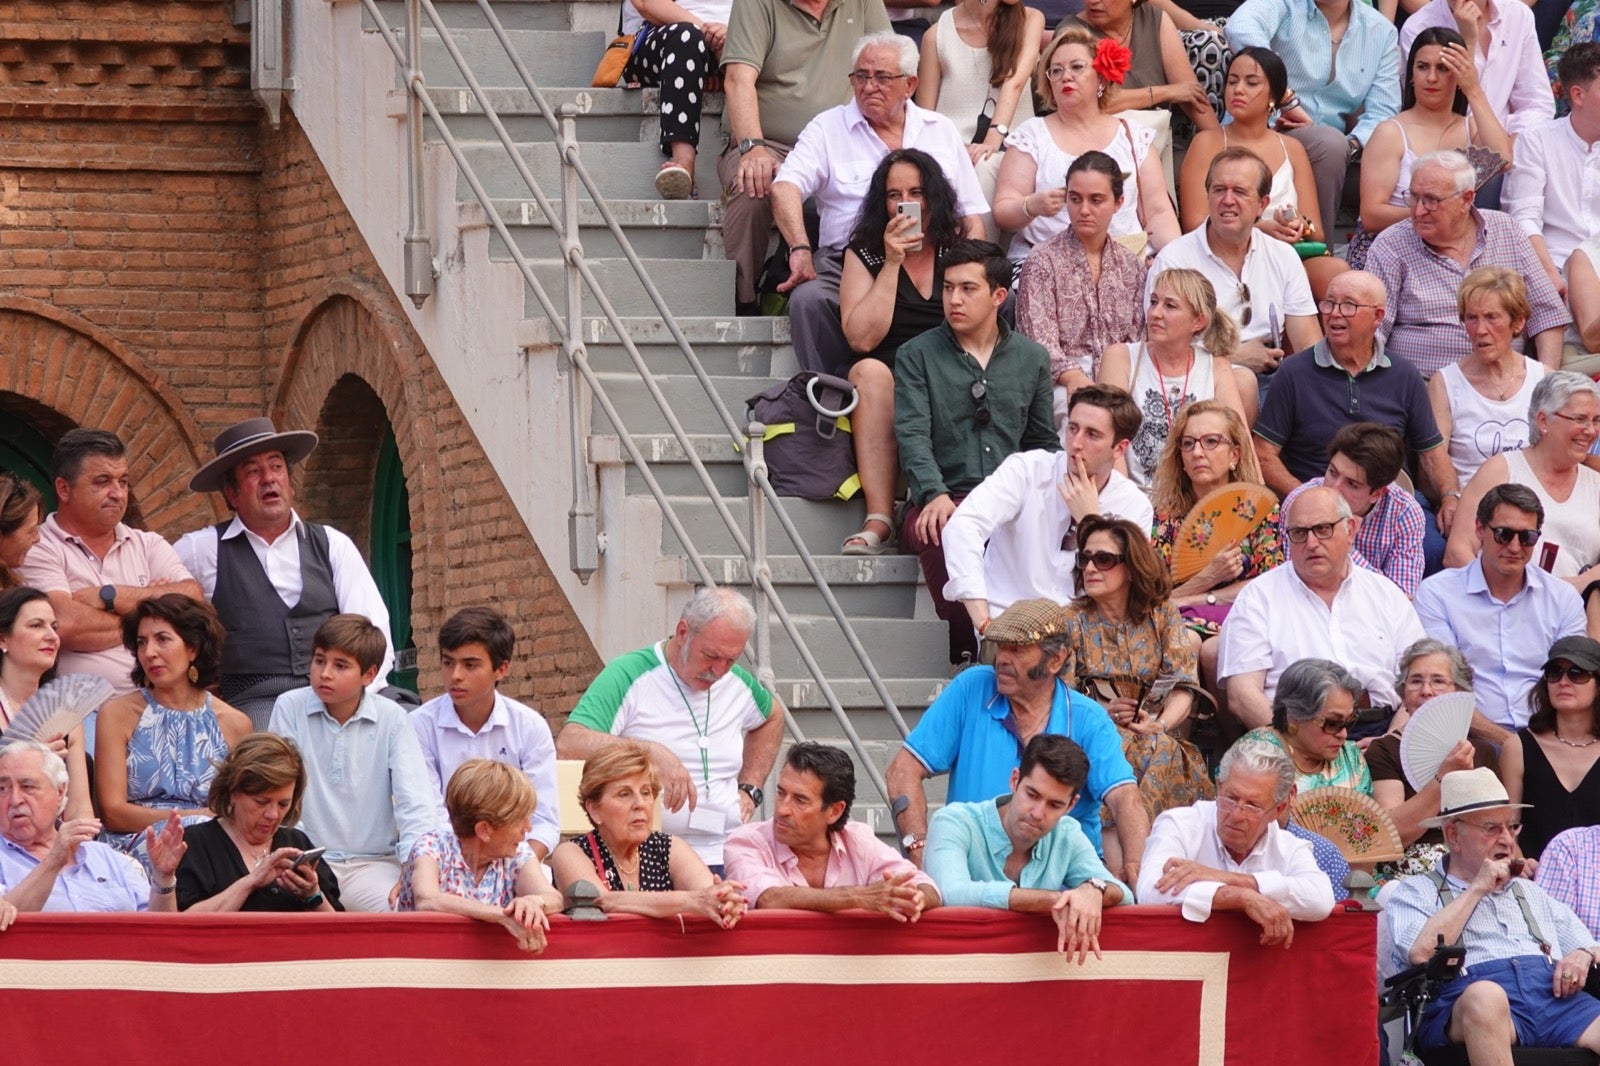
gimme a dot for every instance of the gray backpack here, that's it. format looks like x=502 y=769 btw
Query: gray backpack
x=809 y=448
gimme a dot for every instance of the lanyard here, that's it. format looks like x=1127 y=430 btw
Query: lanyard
x=701 y=733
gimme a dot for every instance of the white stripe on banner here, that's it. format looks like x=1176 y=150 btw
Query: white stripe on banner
x=1208 y=968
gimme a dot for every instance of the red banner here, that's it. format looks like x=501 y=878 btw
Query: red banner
x=961 y=987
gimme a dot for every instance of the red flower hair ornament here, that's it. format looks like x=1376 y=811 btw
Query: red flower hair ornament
x=1112 y=60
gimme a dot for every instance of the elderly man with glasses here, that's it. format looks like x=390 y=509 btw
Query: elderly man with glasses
x=1233 y=855
x=1528 y=955
x=1319 y=606
x=1423 y=259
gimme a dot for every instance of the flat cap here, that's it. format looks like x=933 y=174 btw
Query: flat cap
x=1027 y=622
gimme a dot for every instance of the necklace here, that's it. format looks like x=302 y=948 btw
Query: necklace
x=624 y=874
x=1573 y=743
x=253 y=857
x=1319 y=766
x=1183 y=394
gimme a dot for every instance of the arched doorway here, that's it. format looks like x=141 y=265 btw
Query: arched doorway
x=24 y=448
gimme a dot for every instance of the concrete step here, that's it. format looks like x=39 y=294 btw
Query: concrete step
x=671 y=469
x=553 y=57
x=725 y=346
x=883 y=586
x=596 y=15
x=701 y=285
x=602 y=114
x=899 y=647
x=624 y=170
x=684 y=393
x=655 y=229
x=822 y=525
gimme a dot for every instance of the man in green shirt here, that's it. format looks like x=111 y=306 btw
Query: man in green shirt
x=966 y=395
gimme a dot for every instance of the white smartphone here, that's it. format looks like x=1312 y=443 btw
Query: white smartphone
x=914 y=213
x=309 y=858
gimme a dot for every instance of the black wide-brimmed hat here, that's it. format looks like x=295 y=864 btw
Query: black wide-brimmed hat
x=251 y=437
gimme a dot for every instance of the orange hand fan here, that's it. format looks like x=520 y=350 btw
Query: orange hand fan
x=1355 y=822
x=1222 y=517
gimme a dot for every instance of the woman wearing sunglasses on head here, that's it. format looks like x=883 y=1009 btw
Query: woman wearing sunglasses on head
x=1313 y=708
x=1551 y=762
x=1132 y=653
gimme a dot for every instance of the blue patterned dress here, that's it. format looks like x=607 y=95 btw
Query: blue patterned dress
x=172 y=757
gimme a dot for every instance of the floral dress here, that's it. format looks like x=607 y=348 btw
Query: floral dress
x=1347 y=770
x=1262 y=551
x=497 y=887
x=1170 y=770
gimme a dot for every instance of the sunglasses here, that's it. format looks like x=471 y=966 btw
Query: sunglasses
x=1334 y=726
x=1244 y=302
x=1100 y=560
x=1577 y=675
x=980 y=396
x=1503 y=535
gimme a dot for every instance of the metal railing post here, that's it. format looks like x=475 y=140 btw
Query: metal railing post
x=755 y=458
x=418 y=248
x=583 y=533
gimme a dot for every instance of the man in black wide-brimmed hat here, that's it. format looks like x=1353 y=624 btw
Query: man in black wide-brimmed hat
x=272 y=577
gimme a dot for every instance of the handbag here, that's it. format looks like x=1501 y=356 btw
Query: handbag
x=614 y=60
x=980 y=129
x=809 y=449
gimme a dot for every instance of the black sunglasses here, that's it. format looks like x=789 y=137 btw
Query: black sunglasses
x=1101 y=561
x=980 y=396
x=1577 y=675
x=1503 y=535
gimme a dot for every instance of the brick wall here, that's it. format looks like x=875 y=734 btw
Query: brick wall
x=170 y=265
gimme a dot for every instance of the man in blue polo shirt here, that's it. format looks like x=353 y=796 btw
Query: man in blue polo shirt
x=979 y=726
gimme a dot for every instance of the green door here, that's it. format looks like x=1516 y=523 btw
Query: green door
x=391 y=556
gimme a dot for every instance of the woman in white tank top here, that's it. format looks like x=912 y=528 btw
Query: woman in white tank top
x=956 y=74
x=1183 y=360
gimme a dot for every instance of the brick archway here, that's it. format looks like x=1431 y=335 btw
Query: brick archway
x=65 y=372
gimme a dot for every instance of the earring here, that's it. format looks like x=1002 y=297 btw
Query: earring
x=194 y=675
x=1100 y=92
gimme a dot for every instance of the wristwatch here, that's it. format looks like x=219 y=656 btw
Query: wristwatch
x=1353 y=153
x=1211 y=599
x=751 y=142
x=1099 y=884
x=1001 y=128
x=755 y=794
x=108 y=597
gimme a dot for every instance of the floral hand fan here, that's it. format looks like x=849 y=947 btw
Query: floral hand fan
x=1222 y=517
x=1356 y=824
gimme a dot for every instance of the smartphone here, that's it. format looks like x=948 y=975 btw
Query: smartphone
x=309 y=858
x=1547 y=556
x=914 y=213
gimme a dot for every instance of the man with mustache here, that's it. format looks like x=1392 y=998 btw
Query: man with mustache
x=711 y=728
x=1021 y=852
x=273 y=578
x=978 y=728
x=812 y=857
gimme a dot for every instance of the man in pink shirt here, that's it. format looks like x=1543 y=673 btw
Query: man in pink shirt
x=812 y=857
x=94 y=568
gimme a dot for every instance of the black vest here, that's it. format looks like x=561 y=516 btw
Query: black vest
x=266 y=638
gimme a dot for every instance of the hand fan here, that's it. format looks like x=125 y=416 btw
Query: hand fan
x=1222 y=517
x=59 y=706
x=1355 y=823
x=1436 y=727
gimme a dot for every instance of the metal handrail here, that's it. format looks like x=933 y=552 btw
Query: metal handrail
x=577 y=269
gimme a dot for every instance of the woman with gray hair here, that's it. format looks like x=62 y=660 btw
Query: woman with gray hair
x=1428 y=668
x=1313 y=709
x=1563 y=424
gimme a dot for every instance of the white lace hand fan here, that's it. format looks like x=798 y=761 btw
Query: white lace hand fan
x=1436 y=727
x=59 y=706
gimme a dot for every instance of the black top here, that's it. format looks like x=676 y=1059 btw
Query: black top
x=1554 y=808
x=914 y=314
x=655 y=856
x=212 y=863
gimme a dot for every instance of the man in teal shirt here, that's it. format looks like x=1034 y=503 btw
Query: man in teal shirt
x=1020 y=852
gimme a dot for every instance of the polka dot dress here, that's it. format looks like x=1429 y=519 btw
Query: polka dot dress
x=675 y=59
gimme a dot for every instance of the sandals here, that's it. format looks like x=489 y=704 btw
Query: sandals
x=869 y=542
x=674 y=182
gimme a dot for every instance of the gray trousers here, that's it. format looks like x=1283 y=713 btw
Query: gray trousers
x=814 y=324
x=746 y=222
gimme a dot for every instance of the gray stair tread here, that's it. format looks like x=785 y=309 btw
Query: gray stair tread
x=652 y=213
x=840 y=571
x=697 y=329
x=857 y=693
x=452 y=97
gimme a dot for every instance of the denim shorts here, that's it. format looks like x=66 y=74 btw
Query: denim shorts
x=1541 y=1020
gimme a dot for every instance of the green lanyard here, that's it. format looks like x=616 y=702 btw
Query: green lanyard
x=702 y=734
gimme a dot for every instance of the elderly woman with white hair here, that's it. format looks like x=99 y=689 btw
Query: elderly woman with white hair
x=1563 y=424
x=50 y=867
x=1313 y=710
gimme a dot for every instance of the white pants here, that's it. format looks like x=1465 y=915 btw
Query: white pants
x=364 y=884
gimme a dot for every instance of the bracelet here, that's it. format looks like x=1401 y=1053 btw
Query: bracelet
x=800 y=248
x=916 y=845
x=1151 y=89
x=1025 y=209
x=1289 y=103
x=164 y=890
x=1592 y=961
x=314 y=900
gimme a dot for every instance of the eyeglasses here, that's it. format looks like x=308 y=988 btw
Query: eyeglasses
x=1077 y=70
x=1334 y=726
x=1101 y=561
x=1322 y=531
x=860 y=78
x=980 y=396
x=1581 y=421
x=1576 y=675
x=1249 y=810
x=1347 y=308
x=1494 y=829
x=1426 y=201
x=1208 y=443
x=1504 y=535
x=1244 y=302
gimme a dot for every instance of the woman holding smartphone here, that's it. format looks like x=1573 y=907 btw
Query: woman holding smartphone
x=249 y=858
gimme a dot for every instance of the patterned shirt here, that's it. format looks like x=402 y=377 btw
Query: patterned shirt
x=1262 y=549
x=1569 y=869
x=1346 y=770
x=1329 y=859
x=497 y=887
x=1420 y=322
x=1060 y=305
x=1389 y=537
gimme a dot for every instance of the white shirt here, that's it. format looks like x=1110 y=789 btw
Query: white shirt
x=353 y=586
x=1272 y=272
x=1276 y=620
x=1019 y=511
x=833 y=161
x=514 y=734
x=1554 y=190
x=1512 y=74
x=1284 y=866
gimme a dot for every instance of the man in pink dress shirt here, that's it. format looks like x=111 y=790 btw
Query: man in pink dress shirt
x=812 y=857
